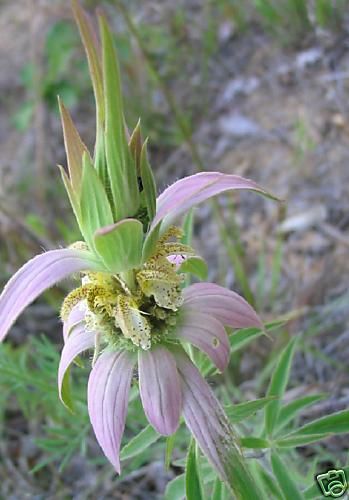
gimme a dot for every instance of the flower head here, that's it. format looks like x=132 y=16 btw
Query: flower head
x=130 y=306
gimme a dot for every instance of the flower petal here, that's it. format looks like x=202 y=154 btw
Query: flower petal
x=78 y=341
x=206 y=419
x=108 y=390
x=40 y=273
x=226 y=306
x=187 y=192
x=160 y=389
x=77 y=314
x=208 y=334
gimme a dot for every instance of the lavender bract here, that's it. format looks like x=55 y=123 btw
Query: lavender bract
x=130 y=307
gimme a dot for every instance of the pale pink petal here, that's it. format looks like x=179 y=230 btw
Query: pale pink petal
x=208 y=334
x=76 y=315
x=78 y=341
x=187 y=192
x=160 y=389
x=206 y=419
x=226 y=306
x=36 y=276
x=108 y=391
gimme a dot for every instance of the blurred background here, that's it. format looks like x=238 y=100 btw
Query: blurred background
x=258 y=88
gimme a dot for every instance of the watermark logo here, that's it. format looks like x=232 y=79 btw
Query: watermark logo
x=333 y=483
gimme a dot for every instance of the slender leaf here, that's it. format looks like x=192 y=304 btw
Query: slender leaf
x=241 y=411
x=295 y=441
x=337 y=423
x=290 y=410
x=192 y=477
x=139 y=443
x=254 y=442
x=278 y=385
x=148 y=182
x=286 y=482
x=120 y=164
x=95 y=208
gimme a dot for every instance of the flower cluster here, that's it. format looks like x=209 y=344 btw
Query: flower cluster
x=130 y=306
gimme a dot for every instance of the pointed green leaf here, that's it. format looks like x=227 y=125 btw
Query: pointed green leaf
x=139 y=443
x=74 y=148
x=278 y=385
x=290 y=410
x=188 y=228
x=254 y=442
x=266 y=481
x=95 y=208
x=90 y=43
x=217 y=493
x=293 y=442
x=120 y=245
x=192 y=478
x=196 y=266
x=135 y=145
x=337 y=423
x=241 y=411
x=286 y=482
x=148 y=182
x=120 y=164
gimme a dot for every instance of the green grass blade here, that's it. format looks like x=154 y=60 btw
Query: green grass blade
x=284 y=478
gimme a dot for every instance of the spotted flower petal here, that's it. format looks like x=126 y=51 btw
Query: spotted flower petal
x=208 y=334
x=226 y=306
x=187 y=192
x=108 y=391
x=79 y=340
x=36 y=276
x=160 y=389
x=76 y=315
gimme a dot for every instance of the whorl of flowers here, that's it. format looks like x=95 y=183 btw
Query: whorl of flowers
x=130 y=307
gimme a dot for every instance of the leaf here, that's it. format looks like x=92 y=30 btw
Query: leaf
x=192 y=479
x=254 y=442
x=120 y=164
x=148 y=182
x=196 y=266
x=266 y=481
x=139 y=443
x=241 y=411
x=175 y=489
x=337 y=423
x=120 y=245
x=188 y=227
x=217 y=493
x=150 y=243
x=278 y=385
x=290 y=410
x=286 y=483
x=74 y=148
x=95 y=208
x=293 y=442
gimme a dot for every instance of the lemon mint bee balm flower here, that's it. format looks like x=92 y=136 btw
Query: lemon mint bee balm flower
x=130 y=307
